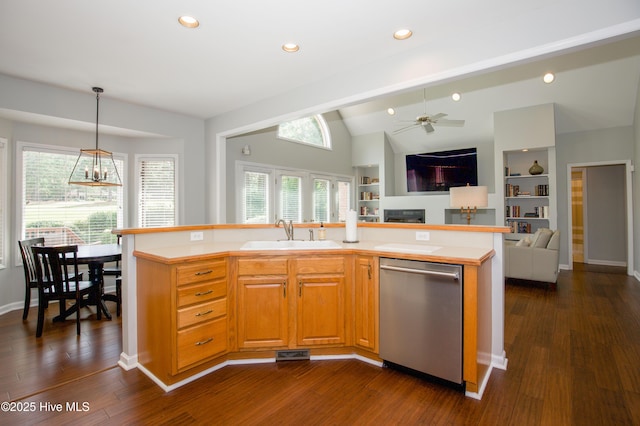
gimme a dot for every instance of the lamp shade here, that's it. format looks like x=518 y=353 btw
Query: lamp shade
x=468 y=196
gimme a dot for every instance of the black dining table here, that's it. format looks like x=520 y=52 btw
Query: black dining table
x=95 y=256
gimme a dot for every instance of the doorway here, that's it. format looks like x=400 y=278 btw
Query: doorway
x=600 y=217
x=578 y=176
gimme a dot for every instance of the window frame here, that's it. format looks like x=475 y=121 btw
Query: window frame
x=56 y=149
x=324 y=130
x=139 y=158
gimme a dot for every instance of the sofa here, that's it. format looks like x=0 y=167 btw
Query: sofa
x=534 y=258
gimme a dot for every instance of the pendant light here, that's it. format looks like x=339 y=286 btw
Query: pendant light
x=95 y=167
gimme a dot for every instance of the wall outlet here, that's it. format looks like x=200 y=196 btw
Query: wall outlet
x=422 y=236
x=197 y=236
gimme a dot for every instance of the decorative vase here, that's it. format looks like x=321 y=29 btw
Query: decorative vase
x=536 y=169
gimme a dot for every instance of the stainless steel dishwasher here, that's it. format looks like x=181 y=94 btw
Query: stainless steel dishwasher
x=421 y=317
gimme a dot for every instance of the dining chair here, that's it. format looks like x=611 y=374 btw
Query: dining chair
x=115 y=270
x=58 y=279
x=28 y=263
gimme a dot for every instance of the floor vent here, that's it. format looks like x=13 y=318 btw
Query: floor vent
x=292 y=355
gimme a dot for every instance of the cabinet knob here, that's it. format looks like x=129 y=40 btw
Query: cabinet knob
x=201 y=314
x=204 y=272
x=204 y=293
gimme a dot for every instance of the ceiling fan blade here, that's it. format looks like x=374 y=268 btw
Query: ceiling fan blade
x=403 y=129
x=450 y=123
x=428 y=127
x=405 y=121
x=437 y=116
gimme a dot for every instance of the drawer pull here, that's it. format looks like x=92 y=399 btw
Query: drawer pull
x=204 y=293
x=201 y=314
x=204 y=342
x=204 y=272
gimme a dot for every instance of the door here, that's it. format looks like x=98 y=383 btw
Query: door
x=262 y=311
x=320 y=310
x=366 y=303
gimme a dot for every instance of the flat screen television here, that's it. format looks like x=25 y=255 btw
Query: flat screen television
x=439 y=171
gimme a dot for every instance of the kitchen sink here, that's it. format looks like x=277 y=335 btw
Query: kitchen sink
x=290 y=245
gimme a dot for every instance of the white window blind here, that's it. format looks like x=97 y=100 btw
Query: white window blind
x=156 y=192
x=291 y=198
x=63 y=213
x=3 y=200
x=321 y=200
x=255 y=197
x=343 y=203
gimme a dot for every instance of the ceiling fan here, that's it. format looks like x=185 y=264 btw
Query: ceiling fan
x=427 y=122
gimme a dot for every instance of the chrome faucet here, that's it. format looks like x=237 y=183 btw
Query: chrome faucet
x=288 y=228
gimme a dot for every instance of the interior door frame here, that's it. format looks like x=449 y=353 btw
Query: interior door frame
x=628 y=210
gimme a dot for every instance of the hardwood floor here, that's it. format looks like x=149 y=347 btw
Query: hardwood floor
x=574 y=359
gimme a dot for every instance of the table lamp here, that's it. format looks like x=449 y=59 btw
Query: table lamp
x=470 y=196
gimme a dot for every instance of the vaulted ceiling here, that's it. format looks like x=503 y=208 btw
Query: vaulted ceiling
x=138 y=53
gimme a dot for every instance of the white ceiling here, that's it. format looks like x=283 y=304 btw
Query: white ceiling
x=138 y=53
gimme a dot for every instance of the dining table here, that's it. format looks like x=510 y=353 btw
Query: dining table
x=95 y=256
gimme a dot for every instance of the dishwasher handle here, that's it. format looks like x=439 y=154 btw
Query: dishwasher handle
x=453 y=275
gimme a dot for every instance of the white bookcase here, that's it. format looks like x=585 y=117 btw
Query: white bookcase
x=368 y=193
x=529 y=200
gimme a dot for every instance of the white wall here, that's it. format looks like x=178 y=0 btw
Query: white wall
x=614 y=144
x=606 y=212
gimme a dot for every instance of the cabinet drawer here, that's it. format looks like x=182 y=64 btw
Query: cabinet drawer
x=201 y=342
x=202 y=312
x=203 y=271
x=271 y=266
x=320 y=265
x=201 y=292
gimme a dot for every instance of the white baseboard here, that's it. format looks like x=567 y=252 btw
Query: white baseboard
x=14 y=306
x=605 y=262
x=128 y=362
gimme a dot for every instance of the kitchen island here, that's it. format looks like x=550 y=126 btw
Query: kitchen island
x=196 y=300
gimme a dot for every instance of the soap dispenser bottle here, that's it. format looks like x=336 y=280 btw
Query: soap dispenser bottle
x=322 y=232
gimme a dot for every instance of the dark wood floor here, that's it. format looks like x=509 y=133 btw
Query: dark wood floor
x=574 y=359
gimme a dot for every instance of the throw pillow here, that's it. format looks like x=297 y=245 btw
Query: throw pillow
x=543 y=238
x=525 y=242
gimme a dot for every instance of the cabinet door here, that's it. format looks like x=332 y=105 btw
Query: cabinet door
x=262 y=311
x=366 y=303
x=320 y=310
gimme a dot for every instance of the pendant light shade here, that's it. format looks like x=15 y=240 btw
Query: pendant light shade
x=95 y=167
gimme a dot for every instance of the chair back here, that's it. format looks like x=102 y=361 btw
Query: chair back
x=57 y=268
x=28 y=259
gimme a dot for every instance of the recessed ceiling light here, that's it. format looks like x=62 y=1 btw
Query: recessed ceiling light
x=402 y=34
x=290 y=47
x=188 y=21
x=525 y=150
x=391 y=111
x=548 y=77
x=456 y=96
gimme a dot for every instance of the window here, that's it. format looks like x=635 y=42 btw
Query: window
x=290 y=197
x=63 y=213
x=3 y=200
x=343 y=199
x=309 y=130
x=321 y=204
x=262 y=186
x=255 y=197
x=157 y=206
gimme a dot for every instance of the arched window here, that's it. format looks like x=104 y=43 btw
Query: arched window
x=309 y=130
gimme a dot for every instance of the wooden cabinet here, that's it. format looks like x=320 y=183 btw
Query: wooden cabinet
x=263 y=303
x=320 y=301
x=366 y=302
x=288 y=302
x=182 y=315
